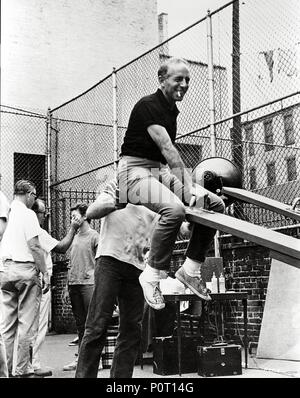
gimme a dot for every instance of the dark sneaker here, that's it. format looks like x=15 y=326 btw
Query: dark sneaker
x=194 y=283
x=43 y=372
x=152 y=293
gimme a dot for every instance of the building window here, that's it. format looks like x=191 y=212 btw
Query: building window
x=250 y=138
x=289 y=129
x=291 y=169
x=269 y=137
x=190 y=154
x=271 y=175
x=30 y=167
x=253 y=184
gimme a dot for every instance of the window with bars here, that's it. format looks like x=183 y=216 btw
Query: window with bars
x=249 y=139
x=269 y=136
x=289 y=129
x=291 y=169
x=271 y=174
x=30 y=167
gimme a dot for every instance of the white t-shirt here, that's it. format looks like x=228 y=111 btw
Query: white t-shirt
x=125 y=233
x=47 y=243
x=22 y=226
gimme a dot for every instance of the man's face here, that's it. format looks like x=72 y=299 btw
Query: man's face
x=176 y=83
x=30 y=197
x=76 y=216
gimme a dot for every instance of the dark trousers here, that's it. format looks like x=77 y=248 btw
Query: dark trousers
x=114 y=280
x=80 y=296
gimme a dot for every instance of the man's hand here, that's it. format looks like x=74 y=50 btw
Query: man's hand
x=185 y=231
x=75 y=224
x=45 y=282
x=199 y=196
x=66 y=296
x=112 y=188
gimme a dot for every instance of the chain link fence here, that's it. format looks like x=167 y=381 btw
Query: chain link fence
x=251 y=51
x=244 y=94
x=23 y=145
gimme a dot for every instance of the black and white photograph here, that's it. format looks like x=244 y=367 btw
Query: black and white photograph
x=150 y=192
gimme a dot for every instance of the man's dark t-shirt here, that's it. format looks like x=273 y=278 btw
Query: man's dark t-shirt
x=151 y=109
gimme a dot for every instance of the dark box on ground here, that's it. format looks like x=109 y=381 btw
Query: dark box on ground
x=225 y=360
x=165 y=358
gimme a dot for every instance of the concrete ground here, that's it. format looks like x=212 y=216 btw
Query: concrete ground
x=56 y=353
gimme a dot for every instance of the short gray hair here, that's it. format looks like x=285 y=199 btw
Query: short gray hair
x=23 y=186
x=164 y=68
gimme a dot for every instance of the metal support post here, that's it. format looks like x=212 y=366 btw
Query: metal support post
x=212 y=110
x=115 y=120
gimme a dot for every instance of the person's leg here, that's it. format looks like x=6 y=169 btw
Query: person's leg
x=43 y=318
x=3 y=358
x=157 y=197
x=106 y=289
x=29 y=302
x=86 y=296
x=9 y=321
x=78 y=309
x=131 y=306
x=200 y=242
x=202 y=236
x=141 y=183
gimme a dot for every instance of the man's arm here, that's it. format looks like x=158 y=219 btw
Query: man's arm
x=162 y=139
x=3 y=224
x=37 y=254
x=65 y=243
x=103 y=205
x=107 y=201
x=39 y=259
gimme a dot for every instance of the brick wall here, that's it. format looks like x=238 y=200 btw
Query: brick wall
x=62 y=316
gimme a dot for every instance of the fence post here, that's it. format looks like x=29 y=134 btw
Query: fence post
x=115 y=120
x=212 y=111
x=210 y=70
x=48 y=195
x=48 y=172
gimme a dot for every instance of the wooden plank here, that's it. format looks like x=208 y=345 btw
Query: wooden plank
x=283 y=258
x=280 y=243
x=263 y=201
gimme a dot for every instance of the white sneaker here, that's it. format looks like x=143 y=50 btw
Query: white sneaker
x=152 y=293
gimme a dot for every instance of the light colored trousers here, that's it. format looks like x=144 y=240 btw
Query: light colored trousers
x=3 y=360
x=42 y=327
x=150 y=183
x=21 y=290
